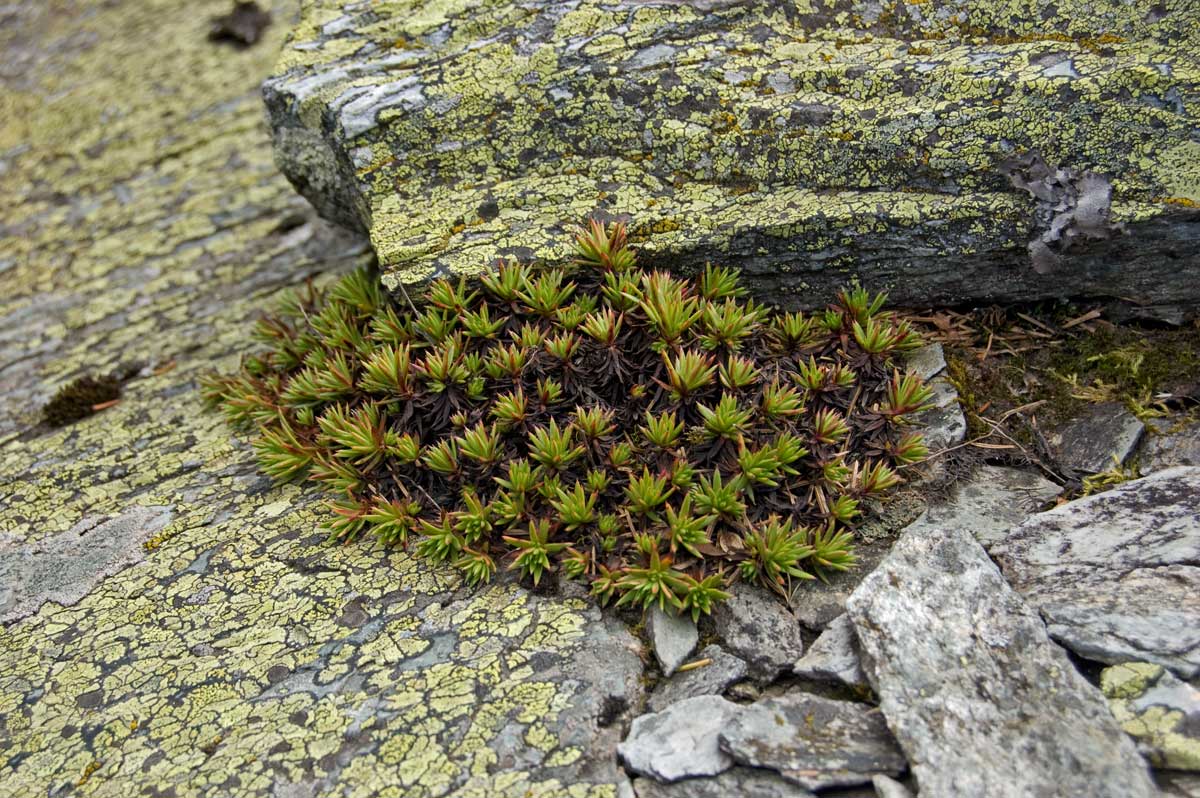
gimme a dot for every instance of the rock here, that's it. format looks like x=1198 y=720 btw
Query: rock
x=1090 y=443
x=748 y=782
x=1158 y=710
x=672 y=636
x=817 y=603
x=712 y=679
x=926 y=362
x=681 y=741
x=989 y=502
x=1178 y=785
x=754 y=625
x=833 y=657
x=944 y=424
x=223 y=650
x=979 y=698
x=1178 y=445
x=1116 y=575
x=815 y=742
x=887 y=787
x=459 y=136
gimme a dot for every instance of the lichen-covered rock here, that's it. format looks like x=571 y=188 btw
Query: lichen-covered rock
x=805 y=142
x=1178 y=444
x=1117 y=575
x=748 y=782
x=221 y=650
x=1158 y=710
x=983 y=703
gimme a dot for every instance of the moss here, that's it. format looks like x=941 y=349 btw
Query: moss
x=652 y=435
x=81 y=398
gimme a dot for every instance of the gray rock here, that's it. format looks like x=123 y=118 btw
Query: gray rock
x=1158 y=710
x=813 y=741
x=736 y=782
x=1176 y=446
x=990 y=502
x=817 y=604
x=681 y=741
x=1117 y=575
x=833 y=657
x=944 y=424
x=756 y=626
x=979 y=698
x=672 y=636
x=1091 y=442
x=457 y=136
x=887 y=787
x=926 y=362
x=712 y=679
x=1174 y=784
x=63 y=568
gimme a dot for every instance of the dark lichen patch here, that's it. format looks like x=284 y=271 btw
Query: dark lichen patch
x=81 y=398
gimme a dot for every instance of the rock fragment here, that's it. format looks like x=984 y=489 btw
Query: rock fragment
x=1117 y=575
x=1177 y=445
x=1105 y=433
x=979 y=698
x=833 y=657
x=813 y=741
x=755 y=626
x=673 y=637
x=737 y=781
x=681 y=741
x=723 y=670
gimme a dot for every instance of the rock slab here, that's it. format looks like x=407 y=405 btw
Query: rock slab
x=989 y=502
x=795 y=145
x=815 y=742
x=1117 y=575
x=979 y=698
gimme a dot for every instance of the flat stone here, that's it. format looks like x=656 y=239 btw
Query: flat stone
x=943 y=424
x=672 y=636
x=1177 y=445
x=833 y=657
x=979 y=698
x=723 y=670
x=1091 y=443
x=926 y=362
x=990 y=501
x=813 y=741
x=737 y=781
x=887 y=787
x=456 y=134
x=755 y=625
x=1117 y=575
x=681 y=741
x=1158 y=710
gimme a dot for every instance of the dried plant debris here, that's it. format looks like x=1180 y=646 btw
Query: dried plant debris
x=656 y=436
x=1070 y=206
x=242 y=26
x=81 y=398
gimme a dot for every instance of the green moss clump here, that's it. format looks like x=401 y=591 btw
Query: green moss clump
x=658 y=437
x=79 y=399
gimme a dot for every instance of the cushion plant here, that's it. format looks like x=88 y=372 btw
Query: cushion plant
x=656 y=436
